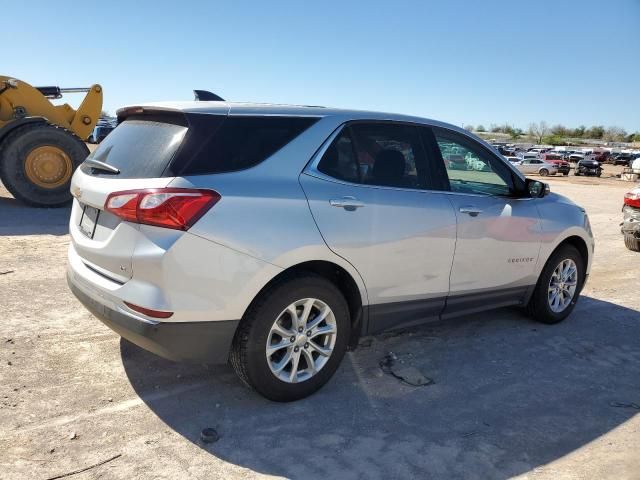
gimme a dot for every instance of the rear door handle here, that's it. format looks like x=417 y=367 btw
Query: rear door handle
x=348 y=203
x=473 y=211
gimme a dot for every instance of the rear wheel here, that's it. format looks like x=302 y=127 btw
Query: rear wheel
x=37 y=162
x=292 y=339
x=558 y=287
x=631 y=242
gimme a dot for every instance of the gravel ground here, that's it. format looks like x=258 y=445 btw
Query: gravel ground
x=510 y=398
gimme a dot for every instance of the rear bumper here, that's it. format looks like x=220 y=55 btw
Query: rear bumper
x=198 y=342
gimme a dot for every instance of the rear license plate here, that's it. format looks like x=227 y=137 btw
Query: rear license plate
x=88 y=220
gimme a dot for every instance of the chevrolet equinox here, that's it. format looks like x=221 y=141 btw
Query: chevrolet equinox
x=273 y=237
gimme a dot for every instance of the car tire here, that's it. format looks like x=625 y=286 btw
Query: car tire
x=249 y=355
x=565 y=174
x=544 y=172
x=576 y=173
x=631 y=242
x=540 y=305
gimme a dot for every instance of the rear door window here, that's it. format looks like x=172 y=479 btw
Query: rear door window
x=378 y=154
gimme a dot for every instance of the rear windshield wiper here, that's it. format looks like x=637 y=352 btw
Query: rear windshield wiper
x=98 y=165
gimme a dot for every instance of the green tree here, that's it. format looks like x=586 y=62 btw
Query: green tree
x=481 y=128
x=595 y=132
x=579 y=132
x=560 y=130
x=515 y=133
x=554 y=140
x=468 y=128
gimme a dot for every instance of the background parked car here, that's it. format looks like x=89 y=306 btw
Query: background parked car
x=557 y=160
x=631 y=221
x=529 y=155
x=622 y=159
x=535 y=165
x=588 y=167
x=100 y=133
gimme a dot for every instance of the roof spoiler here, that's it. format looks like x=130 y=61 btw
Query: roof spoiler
x=206 y=96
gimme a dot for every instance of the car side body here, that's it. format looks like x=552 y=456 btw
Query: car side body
x=537 y=166
x=400 y=255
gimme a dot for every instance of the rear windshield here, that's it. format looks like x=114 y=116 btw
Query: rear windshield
x=138 y=148
x=210 y=144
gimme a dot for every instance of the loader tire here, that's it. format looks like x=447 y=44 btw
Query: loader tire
x=37 y=162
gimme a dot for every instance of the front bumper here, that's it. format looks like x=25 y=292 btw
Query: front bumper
x=198 y=342
x=589 y=171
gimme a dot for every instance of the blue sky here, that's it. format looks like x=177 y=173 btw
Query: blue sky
x=466 y=62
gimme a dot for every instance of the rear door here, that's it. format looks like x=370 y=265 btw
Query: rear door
x=140 y=150
x=368 y=194
x=498 y=234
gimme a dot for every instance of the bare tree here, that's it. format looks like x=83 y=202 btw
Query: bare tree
x=614 y=134
x=538 y=131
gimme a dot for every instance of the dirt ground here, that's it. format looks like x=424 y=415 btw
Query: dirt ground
x=511 y=397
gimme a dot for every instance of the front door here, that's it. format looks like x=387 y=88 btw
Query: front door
x=498 y=233
x=368 y=195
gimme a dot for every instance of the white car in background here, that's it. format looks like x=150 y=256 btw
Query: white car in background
x=535 y=165
x=529 y=155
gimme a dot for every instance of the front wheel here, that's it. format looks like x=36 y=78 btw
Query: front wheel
x=558 y=287
x=292 y=338
x=544 y=172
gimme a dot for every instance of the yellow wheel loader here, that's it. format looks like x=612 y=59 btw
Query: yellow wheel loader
x=41 y=144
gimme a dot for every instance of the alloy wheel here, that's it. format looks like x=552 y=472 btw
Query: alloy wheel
x=563 y=285
x=301 y=340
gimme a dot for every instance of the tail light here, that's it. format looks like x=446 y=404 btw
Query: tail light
x=177 y=208
x=632 y=199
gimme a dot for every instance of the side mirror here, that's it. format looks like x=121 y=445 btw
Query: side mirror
x=537 y=189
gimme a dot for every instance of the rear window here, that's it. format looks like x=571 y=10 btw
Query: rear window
x=144 y=148
x=138 y=148
x=240 y=143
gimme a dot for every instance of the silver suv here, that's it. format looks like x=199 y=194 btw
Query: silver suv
x=274 y=237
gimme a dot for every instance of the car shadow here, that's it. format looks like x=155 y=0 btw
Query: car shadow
x=509 y=395
x=17 y=218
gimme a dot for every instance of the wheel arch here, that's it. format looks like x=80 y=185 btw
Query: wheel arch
x=341 y=278
x=580 y=245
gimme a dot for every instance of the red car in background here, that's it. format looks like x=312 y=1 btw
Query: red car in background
x=558 y=160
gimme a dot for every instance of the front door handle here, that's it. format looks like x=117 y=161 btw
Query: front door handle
x=348 y=203
x=473 y=211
